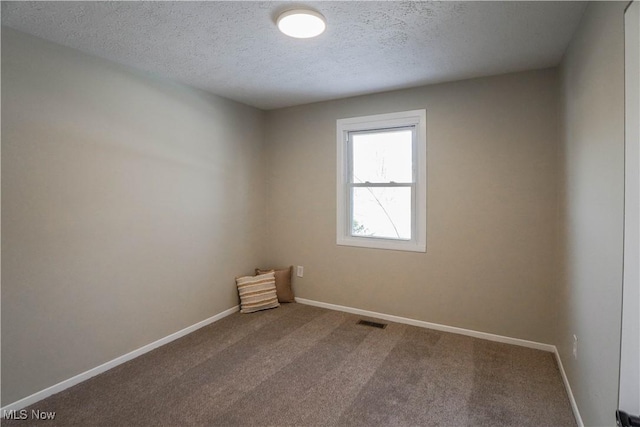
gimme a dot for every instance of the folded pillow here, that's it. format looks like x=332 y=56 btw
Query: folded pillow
x=283 y=283
x=257 y=292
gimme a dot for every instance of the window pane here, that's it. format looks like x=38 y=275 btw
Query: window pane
x=382 y=156
x=382 y=212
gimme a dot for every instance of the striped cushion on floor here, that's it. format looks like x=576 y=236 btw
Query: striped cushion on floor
x=257 y=292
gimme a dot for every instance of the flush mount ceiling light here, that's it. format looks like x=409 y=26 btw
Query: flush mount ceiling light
x=301 y=23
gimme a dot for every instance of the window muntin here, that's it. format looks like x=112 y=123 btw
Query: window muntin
x=382 y=181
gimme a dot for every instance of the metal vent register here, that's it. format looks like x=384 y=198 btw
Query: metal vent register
x=372 y=324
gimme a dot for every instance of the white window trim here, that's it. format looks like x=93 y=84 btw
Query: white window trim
x=417 y=118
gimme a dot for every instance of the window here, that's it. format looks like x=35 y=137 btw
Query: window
x=381 y=183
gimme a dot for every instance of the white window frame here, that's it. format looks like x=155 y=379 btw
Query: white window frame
x=414 y=118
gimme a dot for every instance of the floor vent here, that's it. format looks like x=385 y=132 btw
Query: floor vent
x=372 y=324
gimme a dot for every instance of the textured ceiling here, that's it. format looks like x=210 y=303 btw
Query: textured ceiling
x=234 y=49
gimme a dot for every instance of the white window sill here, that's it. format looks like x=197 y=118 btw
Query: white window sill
x=385 y=244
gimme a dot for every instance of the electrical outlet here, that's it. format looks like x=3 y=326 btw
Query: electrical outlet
x=575 y=347
x=300 y=271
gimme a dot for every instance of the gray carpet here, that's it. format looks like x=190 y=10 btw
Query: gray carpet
x=301 y=365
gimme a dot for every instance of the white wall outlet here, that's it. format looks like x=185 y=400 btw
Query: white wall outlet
x=575 y=347
x=300 y=271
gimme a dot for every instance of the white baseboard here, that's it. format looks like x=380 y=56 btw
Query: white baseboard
x=482 y=335
x=29 y=400
x=567 y=386
x=435 y=326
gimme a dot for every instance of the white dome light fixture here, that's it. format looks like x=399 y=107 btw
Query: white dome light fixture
x=301 y=23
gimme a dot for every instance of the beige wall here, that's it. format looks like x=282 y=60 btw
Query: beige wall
x=491 y=212
x=591 y=210
x=128 y=206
